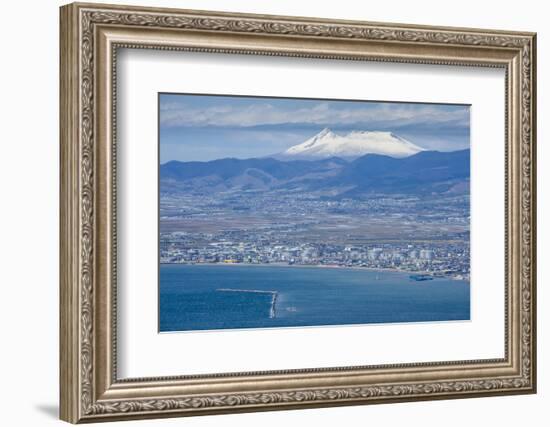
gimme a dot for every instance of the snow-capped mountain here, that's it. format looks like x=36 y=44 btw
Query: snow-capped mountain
x=351 y=145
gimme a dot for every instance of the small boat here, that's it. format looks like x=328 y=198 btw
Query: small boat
x=420 y=277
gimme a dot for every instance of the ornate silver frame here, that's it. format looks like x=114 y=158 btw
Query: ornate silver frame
x=90 y=36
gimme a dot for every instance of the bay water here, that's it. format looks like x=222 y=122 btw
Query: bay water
x=211 y=296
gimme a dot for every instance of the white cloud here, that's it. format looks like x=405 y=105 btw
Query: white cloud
x=322 y=113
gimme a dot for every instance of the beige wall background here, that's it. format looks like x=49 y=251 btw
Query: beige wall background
x=29 y=170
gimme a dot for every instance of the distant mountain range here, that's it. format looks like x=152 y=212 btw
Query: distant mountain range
x=350 y=146
x=426 y=172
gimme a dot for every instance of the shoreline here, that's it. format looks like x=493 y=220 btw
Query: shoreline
x=329 y=266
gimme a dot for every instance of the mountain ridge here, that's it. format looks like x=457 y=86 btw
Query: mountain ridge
x=422 y=173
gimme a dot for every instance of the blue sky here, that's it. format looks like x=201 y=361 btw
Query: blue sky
x=207 y=127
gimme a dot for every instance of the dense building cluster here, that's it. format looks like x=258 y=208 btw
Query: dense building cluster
x=420 y=234
x=452 y=259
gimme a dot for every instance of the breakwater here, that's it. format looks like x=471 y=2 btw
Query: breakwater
x=274 y=295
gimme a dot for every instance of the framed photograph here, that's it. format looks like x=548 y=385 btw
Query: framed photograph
x=266 y=212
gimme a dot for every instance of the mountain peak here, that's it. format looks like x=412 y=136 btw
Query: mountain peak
x=354 y=144
x=322 y=138
x=324 y=132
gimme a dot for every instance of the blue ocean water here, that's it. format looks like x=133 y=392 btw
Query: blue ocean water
x=202 y=297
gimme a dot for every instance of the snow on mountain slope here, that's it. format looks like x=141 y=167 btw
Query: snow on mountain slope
x=351 y=145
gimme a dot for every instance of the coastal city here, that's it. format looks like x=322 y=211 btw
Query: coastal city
x=401 y=234
x=440 y=260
